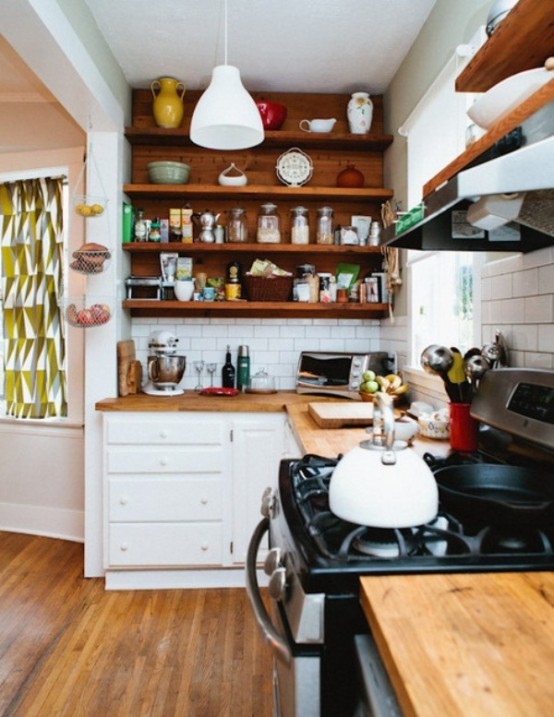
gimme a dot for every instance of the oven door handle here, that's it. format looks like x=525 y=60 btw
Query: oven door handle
x=278 y=643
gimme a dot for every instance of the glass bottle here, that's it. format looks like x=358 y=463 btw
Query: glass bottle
x=154 y=233
x=237 y=229
x=268 y=225
x=299 y=227
x=233 y=281
x=228 y=371
x=324 y=232
x=141 y=229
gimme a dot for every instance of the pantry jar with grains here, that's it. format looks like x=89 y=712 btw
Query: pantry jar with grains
x=324 y=232
x=299 y=226
x=269 y=231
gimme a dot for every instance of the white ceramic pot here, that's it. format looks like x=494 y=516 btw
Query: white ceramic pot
x=359 y=113
x=183 y=289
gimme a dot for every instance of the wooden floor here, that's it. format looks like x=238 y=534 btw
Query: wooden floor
x=68 y=647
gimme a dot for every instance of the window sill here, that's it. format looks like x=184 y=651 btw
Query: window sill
x=425 y=387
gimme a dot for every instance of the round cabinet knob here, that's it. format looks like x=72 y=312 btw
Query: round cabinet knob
x=123 y=500
x=204 y=501
x=164 y=461
x=273 y=561
x=124 y=547
x=277 y=585
x=204 y=547
x=163 y=433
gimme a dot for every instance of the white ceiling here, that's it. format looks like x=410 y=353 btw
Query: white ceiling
x=278 y=45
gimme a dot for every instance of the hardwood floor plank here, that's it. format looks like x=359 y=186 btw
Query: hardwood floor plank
x=68 y=648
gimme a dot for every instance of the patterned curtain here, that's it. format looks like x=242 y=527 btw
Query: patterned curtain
x=31 y=235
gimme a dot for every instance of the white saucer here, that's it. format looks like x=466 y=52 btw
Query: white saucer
x=151 y=391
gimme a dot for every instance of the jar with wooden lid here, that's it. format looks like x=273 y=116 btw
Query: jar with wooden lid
x=269 y=231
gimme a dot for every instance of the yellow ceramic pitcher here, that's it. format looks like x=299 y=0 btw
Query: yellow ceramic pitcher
x=168 y=96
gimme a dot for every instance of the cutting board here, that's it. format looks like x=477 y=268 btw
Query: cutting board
x=129 y=370
x=341 y=413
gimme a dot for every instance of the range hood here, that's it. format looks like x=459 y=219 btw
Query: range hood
x=524 y=177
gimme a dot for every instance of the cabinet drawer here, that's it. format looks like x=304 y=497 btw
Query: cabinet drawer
x=165 y=500
x=192 y=460
x=166 y=544
x=161 y=430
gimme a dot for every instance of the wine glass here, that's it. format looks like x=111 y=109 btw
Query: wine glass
x=211 y=368
x=199 y=367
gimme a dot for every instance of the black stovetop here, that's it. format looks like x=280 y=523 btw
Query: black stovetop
x=330 y=554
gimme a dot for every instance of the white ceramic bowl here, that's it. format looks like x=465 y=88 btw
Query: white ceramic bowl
x=183 y=289
x=434 y=425
x=505 y=96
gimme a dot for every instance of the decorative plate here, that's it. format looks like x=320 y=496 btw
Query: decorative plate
x=294 y=167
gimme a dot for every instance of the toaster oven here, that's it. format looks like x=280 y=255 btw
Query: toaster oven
x=339 y=373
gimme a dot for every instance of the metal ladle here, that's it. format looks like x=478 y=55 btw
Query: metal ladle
x=475 y=368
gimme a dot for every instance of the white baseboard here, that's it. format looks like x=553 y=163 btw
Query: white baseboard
x=178 y=579
x=39 y=520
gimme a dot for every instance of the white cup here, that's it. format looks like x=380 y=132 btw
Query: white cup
x=317 y=125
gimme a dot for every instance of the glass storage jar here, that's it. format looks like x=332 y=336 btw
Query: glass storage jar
x=269 y=231
x=324 y=232
x=299 y=226
x=237 y=229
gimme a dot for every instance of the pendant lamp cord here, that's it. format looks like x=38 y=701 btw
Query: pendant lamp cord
x=225 y=32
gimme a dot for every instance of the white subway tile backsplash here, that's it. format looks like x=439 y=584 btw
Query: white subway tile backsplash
x=546 y=279
x=545 y=340
x=507 y=311
x=539 y=309
x=525 y=283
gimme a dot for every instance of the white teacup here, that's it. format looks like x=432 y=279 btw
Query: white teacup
x=183 y=289
x=317 y=125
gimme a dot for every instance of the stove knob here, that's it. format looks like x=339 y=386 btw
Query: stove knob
x=273 y=561
x=268 y=502
x=277 y=585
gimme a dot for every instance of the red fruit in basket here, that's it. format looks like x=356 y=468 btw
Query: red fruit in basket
x=85 y=317
x=100 y=313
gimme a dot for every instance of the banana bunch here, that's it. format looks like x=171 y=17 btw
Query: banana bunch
x=391 y=383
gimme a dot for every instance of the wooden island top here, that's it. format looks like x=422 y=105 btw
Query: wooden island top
x=479 y=645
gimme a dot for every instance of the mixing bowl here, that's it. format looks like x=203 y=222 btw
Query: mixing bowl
x=168 y=172
x=165 y=372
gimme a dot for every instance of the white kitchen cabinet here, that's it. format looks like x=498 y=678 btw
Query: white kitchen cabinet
x=182 y=492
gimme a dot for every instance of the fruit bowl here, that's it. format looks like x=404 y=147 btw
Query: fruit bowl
x=273 y=114
x=86 y=312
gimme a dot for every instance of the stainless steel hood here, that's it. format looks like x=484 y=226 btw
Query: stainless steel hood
x=527 y=172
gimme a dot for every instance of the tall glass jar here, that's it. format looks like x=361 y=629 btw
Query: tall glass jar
x=299 y=226
x=269 y=231
x=324 y=231
x=237 y=229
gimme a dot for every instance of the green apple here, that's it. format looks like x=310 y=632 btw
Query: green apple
x=369 y=387
x=368 y=376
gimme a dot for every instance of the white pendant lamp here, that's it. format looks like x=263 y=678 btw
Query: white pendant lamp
x=226 y=116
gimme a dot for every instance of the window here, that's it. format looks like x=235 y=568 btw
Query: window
x=443 y=298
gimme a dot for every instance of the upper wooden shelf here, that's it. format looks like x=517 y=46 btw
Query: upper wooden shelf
x=523 y=40
x=250 y=247
x=255 y=190
x=158 y=136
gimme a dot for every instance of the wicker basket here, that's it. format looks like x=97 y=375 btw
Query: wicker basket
x=272 y=288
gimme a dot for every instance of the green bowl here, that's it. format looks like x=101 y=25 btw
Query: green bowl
x=168 y=172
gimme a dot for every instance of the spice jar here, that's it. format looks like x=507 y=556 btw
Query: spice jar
x=324 y=232
x=268 y=225
x=299 y=227
x=237 y=229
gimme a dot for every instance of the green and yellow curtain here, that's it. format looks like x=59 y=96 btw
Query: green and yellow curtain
x=31 y=235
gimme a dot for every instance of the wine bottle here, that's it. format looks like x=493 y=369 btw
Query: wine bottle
x=228 y=371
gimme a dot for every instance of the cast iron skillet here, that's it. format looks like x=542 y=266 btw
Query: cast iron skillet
x=497 y=494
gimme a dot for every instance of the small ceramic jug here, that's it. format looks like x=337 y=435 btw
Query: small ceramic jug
x=168 y=107
x=359 y=113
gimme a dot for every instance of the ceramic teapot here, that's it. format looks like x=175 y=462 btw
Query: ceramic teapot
x=382 y=483
x=206 y=221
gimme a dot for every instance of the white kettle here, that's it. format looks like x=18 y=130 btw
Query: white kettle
x=382 y=483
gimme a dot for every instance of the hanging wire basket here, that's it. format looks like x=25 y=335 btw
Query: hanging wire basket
x=91 y=259
x=88 y=205
x=86 y=312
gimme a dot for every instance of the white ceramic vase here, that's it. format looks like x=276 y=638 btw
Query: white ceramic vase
x=359 y=113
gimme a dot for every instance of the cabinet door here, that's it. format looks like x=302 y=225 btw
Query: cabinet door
x=258 y=446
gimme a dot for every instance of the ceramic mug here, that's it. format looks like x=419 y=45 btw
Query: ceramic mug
x=209 y=293
x=317 y=125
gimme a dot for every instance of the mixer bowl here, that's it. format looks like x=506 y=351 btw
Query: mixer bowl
x=165 y=372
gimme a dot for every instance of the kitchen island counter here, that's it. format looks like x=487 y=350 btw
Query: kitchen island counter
x=477 y=644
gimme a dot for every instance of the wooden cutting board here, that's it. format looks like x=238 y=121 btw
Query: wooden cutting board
x=129 y=370
x=341 y=413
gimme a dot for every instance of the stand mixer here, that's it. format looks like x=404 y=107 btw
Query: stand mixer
x=165 y=368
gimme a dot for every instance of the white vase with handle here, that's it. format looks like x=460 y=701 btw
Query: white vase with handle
x=359 y=113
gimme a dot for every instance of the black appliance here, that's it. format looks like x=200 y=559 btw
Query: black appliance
x=316 y=626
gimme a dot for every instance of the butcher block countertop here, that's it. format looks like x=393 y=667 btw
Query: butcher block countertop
x=479 y=645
